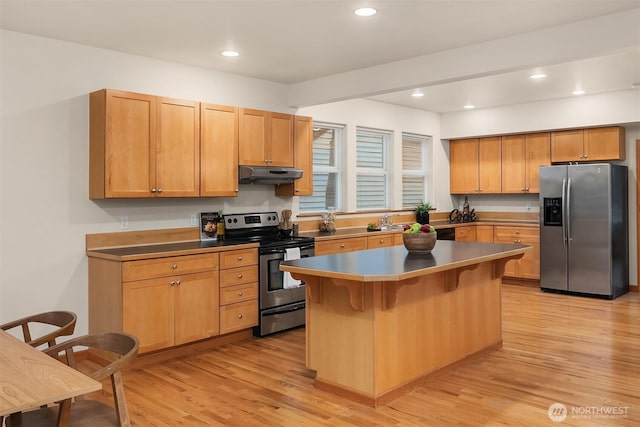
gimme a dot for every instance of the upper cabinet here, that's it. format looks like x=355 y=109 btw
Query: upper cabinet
x=588 y=145
x=218 y=151
x=522 y=156
x=143 y=146
x=302 y=159
x=475 y=165
x=265 y=138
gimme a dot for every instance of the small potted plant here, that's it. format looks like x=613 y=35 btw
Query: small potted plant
x=422 y=212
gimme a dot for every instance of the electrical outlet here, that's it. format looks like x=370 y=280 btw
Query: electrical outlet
x=124 y=223
x=193 y=221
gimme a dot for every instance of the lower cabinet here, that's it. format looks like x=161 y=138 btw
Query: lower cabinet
x=380 y=241
x=527 y=267
x=484 y=233
x=172 y=310
x=174 y=300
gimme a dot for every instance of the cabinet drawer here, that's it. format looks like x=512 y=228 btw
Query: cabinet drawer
x=236 y=276
x=379 y=241
x=516 y=234
x=238 y=293
x=343 y=245
x=171 y=266
x=235 y=317
x=239 y=258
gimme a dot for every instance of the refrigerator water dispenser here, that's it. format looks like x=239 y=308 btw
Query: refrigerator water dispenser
x=553 y=211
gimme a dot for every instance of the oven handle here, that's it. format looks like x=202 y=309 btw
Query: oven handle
x=305 y=250
x=282 y=310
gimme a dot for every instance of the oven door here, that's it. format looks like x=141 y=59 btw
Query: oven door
x=272 y=292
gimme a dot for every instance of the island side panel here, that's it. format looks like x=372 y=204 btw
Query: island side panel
x=430 y=328
x=339 y=338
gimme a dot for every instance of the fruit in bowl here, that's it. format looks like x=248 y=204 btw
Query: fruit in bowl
x=419 y=238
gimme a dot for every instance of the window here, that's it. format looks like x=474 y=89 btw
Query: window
x=414 y=176
x=371 y=169
x=327 y=146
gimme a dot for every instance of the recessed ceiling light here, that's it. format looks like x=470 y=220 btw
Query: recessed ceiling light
x=578 y=92
x=469 y=107
x=230 y=53
x=417 y=94
x=366 y=11
x=537 y=76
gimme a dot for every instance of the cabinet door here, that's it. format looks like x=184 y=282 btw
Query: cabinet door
x=604 y=143
x=302 y=159
x=484 y=233
x=196 y=307
x=147 y=312
x=567 y=146
x=252 y=137
x=538 y=154
x=380 y=241
x=218 y=151
x=527 y=267
x=490 y=165
x=514 y=164
x=280 y=140
x=123 y=143
x=178 y=149
x=463 y=154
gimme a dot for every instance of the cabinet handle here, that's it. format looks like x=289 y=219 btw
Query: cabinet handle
x=240 y=316
x=240 y=293
x=524 y=189
x=153 y=190
x=178 y=282
x=517 y=231
x=239 y=258
x=173 y=282
x=239 y=276
x=159 y=190
x=342 y=245
x=174 y=266
x=381 y=240
x=297 y=190
x=236 y=190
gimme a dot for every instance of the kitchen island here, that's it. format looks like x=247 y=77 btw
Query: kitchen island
x=381 y=321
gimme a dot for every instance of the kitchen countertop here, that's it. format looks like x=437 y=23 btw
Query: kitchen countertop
x=130 y=253
x=396 y=263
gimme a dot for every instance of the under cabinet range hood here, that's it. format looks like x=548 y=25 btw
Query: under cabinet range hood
x=268 y=174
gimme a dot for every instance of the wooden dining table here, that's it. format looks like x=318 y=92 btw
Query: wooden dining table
x=30 y=378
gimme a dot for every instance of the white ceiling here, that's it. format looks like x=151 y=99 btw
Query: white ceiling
x=304 y=43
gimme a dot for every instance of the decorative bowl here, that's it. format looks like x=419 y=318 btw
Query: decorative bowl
x=419 y=242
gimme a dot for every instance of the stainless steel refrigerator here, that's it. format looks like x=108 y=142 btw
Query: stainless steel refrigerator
x=584 y=231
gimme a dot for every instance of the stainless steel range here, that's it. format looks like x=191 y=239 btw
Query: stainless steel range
x=282 y=300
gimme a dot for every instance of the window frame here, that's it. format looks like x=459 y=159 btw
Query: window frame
x=387 y=138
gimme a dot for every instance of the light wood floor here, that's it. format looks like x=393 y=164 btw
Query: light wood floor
x=581 y=352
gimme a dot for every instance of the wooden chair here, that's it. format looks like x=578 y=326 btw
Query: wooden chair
x=64 y=320
x=86 y=412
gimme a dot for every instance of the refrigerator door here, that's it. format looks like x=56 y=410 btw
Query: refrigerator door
x=589 y=229
x=553 y=250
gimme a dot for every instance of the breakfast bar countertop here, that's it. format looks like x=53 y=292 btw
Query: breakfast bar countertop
x=396 y=263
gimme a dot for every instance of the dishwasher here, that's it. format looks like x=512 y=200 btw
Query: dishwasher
x=448 y=233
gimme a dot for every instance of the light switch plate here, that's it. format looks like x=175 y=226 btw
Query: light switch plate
x=193 y=221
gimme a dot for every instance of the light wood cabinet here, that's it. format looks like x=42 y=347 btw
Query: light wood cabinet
x=218 y=151
x=522 y=156
x=588 y=145
x=173 y=305
x=475 y=165
x=265 y=138
x=484 y=233
x=326 y=247
x=527 y=267
x=466 y=233
x=143 y=146
x=238 y=290
x=302 y=159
